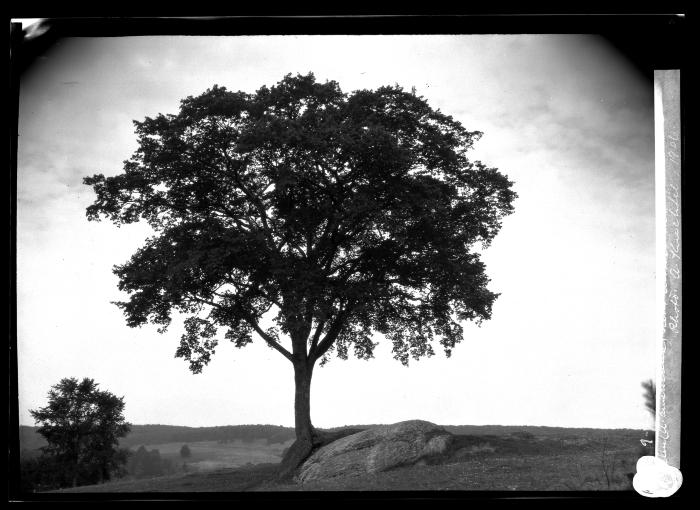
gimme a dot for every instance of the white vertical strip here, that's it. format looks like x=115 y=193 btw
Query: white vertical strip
x=668 y=384
x=659 y=476
x=660 y=216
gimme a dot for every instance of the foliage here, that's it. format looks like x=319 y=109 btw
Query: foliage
x=343 y=213
x=82 y=426
x=649 y=387
x=185 y=451
x=40 y=473
x=146 y=463
x=337 y=215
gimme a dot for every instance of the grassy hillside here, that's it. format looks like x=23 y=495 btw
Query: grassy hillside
x=492 y=458
x=213 y=455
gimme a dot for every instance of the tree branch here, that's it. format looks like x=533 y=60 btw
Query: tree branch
x=250 y=289
x=317 y=335
x=332 y=334
x=270 y=341
x=254 y=324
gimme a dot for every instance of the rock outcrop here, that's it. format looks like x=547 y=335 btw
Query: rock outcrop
x=376 y=449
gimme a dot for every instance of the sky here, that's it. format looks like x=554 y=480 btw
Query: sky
x=565 y=117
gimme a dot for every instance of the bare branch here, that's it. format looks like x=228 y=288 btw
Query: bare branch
x=317 y=335
x=270 y=341
x=333 y=332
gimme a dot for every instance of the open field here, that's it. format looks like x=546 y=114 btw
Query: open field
x=558 y=460
x=211 y=455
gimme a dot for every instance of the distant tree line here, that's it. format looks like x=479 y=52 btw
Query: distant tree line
x=31 y=440
x=159 y=434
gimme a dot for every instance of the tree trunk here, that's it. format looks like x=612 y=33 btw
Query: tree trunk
x=74 y=471
x=302 y=402
x=306 y=437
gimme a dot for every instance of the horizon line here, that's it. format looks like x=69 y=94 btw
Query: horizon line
x=371 y=425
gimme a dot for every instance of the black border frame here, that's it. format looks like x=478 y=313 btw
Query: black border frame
x=648 y=39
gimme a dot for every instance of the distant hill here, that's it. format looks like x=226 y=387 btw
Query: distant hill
x=536 y=430
x=157 y=434
x=30 y=440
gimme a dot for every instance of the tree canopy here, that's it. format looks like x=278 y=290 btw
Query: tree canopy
x=82 y=426
x=341 y=214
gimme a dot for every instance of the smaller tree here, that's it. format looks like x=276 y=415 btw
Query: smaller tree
x=82 y=426
x=650 y=396
x=646 y=446
x=185 y=451
x=144 y=463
